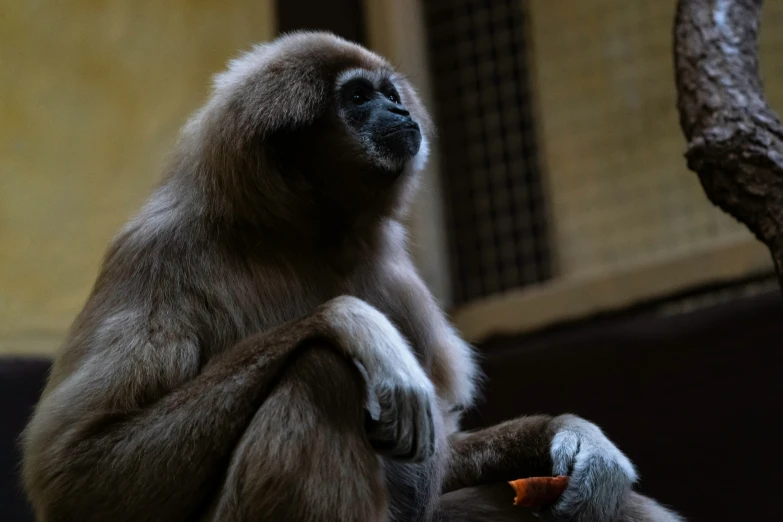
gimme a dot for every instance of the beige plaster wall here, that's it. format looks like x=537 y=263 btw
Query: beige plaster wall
x=92 y=94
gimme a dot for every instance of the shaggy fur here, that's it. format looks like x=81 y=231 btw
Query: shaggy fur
x=263 y=300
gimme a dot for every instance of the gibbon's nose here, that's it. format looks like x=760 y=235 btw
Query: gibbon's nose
x=396 y=108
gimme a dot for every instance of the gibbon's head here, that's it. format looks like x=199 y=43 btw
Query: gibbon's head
x=309 y=124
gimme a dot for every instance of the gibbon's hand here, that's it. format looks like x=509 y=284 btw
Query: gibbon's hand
x=402 y=398
x=601 y=476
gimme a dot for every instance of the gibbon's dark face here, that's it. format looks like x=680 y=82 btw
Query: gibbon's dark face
x=337 y=125
x=371 y=107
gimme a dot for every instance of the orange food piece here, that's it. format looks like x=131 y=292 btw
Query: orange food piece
x=538 y=491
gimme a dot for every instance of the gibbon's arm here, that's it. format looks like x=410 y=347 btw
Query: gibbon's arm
x=85 y=460
x=601 y=475
x=507 y=451
x=402 y=295
x=601 y=482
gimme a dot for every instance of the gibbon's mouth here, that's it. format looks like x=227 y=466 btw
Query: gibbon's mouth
x=402 y=143
x=410 y=126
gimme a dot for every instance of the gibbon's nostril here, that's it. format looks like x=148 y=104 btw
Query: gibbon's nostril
x=396 y=108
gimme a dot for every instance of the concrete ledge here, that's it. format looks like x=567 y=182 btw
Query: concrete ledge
x=565 y=299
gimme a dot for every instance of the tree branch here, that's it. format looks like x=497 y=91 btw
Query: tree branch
x=735 y=141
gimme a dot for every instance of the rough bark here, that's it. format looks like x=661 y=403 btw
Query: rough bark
x=735 y=141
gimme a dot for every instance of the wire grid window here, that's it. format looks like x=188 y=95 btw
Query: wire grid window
x=496 y=208
x=620 y=191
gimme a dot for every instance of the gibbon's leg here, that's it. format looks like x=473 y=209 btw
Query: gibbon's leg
x=638 y=508
x=491 y=502
x=494 y=502
x=305 y=456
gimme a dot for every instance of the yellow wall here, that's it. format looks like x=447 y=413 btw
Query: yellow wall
x=92 y=94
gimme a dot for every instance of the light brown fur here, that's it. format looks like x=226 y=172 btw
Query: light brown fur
x=211 y=373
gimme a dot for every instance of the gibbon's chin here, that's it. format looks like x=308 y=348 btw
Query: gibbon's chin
x=398 y=148
x=402 y=143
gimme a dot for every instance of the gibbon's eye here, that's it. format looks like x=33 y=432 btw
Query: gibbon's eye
x=394 y=97
x=359 y=96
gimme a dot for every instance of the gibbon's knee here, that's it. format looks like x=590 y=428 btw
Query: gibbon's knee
x=305 y=455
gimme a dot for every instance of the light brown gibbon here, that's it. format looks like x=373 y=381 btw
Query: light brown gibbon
x=258 y=344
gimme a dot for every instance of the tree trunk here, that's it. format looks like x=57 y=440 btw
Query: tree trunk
x=735 y=141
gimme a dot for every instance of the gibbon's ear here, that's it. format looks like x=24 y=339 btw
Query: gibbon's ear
x=289 y=82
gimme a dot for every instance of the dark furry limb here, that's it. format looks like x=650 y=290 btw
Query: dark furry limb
x=494 y=502
x=489 y=502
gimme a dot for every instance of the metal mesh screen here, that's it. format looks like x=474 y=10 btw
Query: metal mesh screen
x=497 y=217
